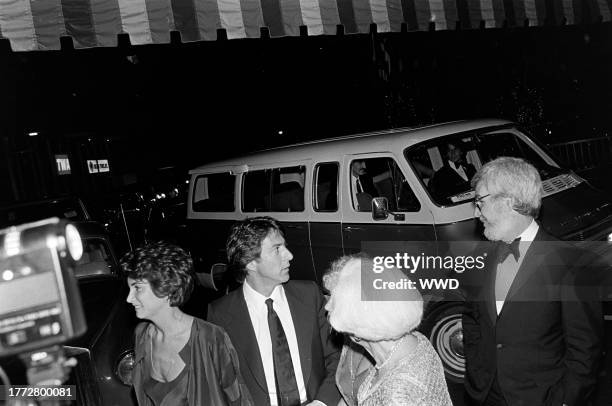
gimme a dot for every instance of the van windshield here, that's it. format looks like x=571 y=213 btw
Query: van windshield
x=447 y=164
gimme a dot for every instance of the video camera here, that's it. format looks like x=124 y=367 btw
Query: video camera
x=40 y=304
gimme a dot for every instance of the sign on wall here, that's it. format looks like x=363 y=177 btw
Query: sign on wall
x=63 y=164
x=92 y=166
x=103 y=165
x=98 y=165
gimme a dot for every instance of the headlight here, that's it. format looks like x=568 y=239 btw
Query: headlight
x=73 y=242
x=124 y=367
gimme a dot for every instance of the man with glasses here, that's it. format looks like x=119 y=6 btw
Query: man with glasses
x=530 y=337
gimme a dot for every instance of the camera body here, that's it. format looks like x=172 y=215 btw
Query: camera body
x=40 y=303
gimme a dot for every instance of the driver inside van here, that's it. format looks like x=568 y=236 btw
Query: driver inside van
x=454 y=176
x=362 y=186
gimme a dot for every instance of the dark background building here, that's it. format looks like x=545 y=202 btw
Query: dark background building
x=178 y=105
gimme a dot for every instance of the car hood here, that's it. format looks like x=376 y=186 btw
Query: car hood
x=573 y=210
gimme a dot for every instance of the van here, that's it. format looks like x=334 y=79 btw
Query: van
x=327 y=213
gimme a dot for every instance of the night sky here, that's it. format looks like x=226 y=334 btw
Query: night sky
x=186 y=104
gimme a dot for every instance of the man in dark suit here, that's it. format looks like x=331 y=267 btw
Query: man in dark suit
x=279 y=327
x=531 y=336
x=455 y=174
x=362 y=186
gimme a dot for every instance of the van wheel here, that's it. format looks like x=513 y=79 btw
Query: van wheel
x=445 y=332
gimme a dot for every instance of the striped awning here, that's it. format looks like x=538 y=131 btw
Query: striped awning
x=38 y=24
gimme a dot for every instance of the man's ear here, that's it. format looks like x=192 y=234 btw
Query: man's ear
x=509 y=202
x=251 y=266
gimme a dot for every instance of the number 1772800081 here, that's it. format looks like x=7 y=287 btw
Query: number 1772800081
x=50 y=392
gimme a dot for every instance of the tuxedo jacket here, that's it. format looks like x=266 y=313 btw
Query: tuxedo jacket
x=364 y=198
x=545 y=345
x=447 y=182
x=367 y=184
x=319 y=353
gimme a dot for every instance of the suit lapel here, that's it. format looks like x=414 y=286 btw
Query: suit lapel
x=490 y=285
x=243 y=337
x=303 y=328
x=530 y=264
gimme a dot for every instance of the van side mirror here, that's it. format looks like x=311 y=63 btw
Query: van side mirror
x=380 y=208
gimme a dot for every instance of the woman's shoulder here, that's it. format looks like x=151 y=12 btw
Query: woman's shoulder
x=423 y=360
x=141 y=330
x=208 y=331
x=424 y=346
x=140 y=339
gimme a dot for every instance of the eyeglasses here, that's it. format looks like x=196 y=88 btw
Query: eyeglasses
x=478 y=200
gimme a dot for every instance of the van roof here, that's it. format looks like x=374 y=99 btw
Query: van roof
x=376 y=141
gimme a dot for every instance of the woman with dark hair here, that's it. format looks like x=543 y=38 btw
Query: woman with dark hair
x=179 y=359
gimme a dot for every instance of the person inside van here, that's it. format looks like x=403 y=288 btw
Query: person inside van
x=362 y=186
x=455 y=174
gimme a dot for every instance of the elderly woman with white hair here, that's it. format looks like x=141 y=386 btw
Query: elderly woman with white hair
x=403 y=368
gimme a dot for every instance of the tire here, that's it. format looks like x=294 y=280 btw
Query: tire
x=442 y=326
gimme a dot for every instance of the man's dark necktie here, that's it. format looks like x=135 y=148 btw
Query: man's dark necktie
x=506 y=249
x=359 y=188
x=284 y=375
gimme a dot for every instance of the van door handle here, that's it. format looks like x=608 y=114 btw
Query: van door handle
x=350 y=229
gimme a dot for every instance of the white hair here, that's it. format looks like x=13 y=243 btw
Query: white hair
x=355 y=311
x=514 y=178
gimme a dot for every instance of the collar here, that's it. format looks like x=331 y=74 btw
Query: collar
x=254 y=298
x=530 y=232
x=455 y=167
x=527 y=237
x=145 y=337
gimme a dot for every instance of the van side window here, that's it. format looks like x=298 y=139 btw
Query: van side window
x=380 y=177
x=214 y=192
x=274 y=190
x=326 y=187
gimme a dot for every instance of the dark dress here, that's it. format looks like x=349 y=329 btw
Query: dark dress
x=211 y=375
x=172 y=393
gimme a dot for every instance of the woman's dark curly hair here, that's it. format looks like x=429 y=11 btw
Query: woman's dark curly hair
x=167 y=267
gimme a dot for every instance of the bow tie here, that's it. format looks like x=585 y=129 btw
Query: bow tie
x=506 y=249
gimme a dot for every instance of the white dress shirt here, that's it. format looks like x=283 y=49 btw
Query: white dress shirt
x=511 y=265
x=258 y=312
x=355 y=190
x=459 y=169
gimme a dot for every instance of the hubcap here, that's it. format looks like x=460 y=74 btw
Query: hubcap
x=447 y=339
